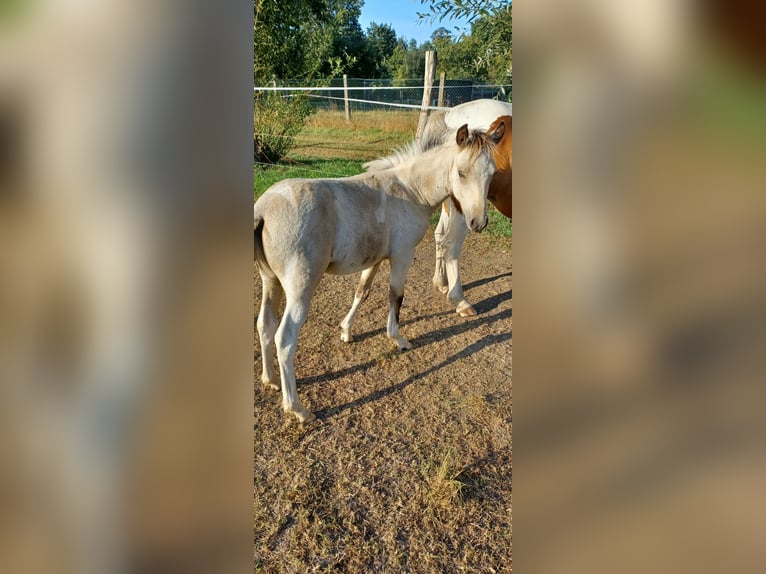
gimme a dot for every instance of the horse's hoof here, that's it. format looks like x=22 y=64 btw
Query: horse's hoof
x=307 y=418
x=466 y=311
x=270 y=385
x=404 y=345
x=301 y=413
x=443 y=289
x=347 y=337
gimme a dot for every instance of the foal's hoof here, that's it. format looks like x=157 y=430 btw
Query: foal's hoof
x=270 y=385
x=466 y=311
x=302 y=413
x=346 y=337
x=403 y=344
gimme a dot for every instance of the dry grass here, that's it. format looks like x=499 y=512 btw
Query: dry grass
x=408 y=467
x=387 y=120
x=370 y=134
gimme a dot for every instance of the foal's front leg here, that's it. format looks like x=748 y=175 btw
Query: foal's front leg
x=365 y=282
x=399 y=268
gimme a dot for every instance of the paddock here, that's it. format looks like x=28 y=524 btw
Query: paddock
x=408 y=467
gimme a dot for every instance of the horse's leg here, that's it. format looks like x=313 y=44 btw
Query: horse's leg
x=399 y=267
x=365 y=282
x=449 y=236
x=297 y=303
x=440 y=274
x=457 y=230
x=267 y=327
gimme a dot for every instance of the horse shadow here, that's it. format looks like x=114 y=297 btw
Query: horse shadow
x=375 y=396
x=480 y=477
x=482 y=308
x=485 y=280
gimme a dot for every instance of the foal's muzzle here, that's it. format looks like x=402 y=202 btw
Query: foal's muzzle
x=478 y=224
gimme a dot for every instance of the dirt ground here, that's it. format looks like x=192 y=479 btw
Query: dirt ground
x=408 y=466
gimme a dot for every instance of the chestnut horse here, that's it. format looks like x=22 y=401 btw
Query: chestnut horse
x=451 y=231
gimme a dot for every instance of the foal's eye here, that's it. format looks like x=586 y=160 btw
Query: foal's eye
x=460 y=174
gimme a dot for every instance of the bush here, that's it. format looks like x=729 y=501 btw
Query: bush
x=276 y=122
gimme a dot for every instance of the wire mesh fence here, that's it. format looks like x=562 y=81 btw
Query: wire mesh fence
x=369 y=94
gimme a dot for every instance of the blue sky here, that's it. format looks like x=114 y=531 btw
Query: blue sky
x=402 y=16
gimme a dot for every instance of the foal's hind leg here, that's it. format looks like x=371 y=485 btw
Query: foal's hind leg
x=365 y=282
x=267 y=327
x=399 y=267
x=296 y=311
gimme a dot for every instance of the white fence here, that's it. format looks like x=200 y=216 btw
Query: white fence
x=364 y=94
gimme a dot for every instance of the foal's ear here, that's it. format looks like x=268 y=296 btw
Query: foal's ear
x=462 y=135
x=497 y=134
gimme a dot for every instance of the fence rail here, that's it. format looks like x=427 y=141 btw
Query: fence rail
x=374 y=93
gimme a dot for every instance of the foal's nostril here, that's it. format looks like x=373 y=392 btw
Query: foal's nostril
x=478 y=225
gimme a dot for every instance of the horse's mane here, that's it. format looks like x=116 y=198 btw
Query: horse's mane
x=398 y=156
x=436 y=133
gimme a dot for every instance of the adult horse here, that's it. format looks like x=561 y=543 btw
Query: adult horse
x=451 y=231
x=304 y=228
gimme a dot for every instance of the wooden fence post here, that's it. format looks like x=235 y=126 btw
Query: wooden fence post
x=428 y=84
x=345 y=98
x=442 y=80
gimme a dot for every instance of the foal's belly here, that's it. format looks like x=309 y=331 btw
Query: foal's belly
x=355 y=261
x=348 y=268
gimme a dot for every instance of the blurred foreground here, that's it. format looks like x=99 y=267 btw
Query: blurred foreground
x=125 y=286
x=640 y=287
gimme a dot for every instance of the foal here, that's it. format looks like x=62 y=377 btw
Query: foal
x=304 y=228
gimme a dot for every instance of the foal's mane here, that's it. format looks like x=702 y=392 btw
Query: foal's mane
x=439 y=135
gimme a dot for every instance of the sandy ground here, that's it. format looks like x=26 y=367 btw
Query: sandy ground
x=408 y=466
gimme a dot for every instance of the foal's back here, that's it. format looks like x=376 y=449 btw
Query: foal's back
x=324 y=225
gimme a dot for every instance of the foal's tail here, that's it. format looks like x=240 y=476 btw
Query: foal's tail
x=260 y=256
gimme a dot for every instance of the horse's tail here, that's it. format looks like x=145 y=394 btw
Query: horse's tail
x=260 y=255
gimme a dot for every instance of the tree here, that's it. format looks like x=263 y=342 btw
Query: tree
x=492 y=36
x=349 y=44
x=381 y=44
x=486 y=53
x=468 y=9
x=408 y=60
x=304 y=39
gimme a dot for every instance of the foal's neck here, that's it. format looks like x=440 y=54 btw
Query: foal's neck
x=426 y=176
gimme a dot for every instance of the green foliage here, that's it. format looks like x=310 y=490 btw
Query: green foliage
x=407 y=61
x=486 y=53
x=468 y=9
x=381 y=44
x=276 y=122
x=349 y=44
x=304 y=40
x=312 y=40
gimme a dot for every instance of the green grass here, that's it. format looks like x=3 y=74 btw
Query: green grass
x=266 y=176
x=499 y=224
